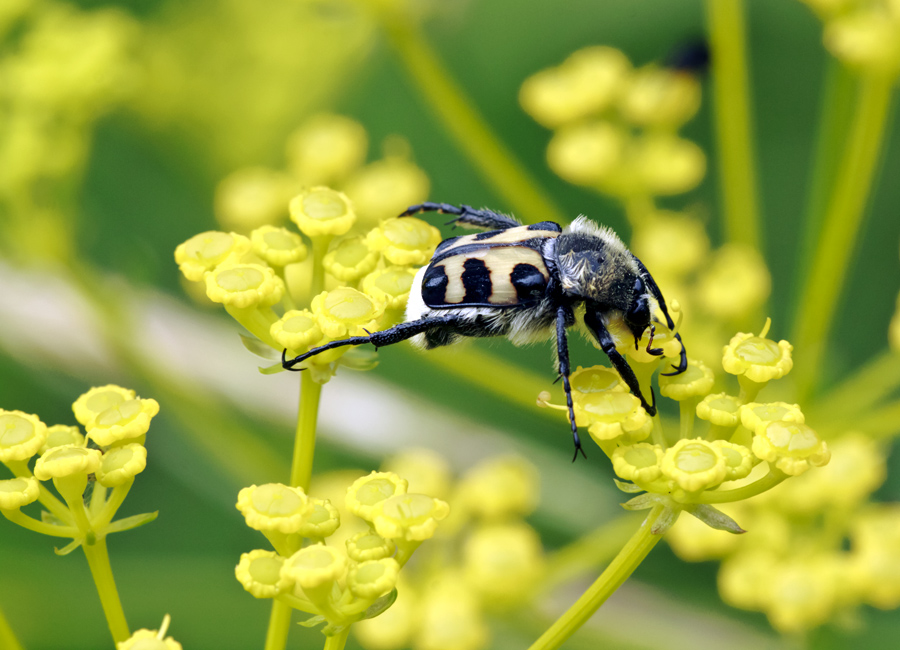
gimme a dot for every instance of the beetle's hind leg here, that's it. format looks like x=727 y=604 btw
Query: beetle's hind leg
x=563 y=317
x=466 y=215
x=390 y=336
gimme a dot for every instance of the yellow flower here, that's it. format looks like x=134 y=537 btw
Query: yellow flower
x=735 y=284
x=373 y=578
x=390 y=286
x=92 y=403
x=744 y=578
x=694 y=465
x=65 y=461
x=252 y=197
x=149 y=640
x=660 y=97
x=385 y=188
x=204 y=252
x=721 y=409
x=259 y=572
x=366 y=545
x=367 y=492
x=121 y=463
x=503 y=562
x=273 y=507
x=449 y=616
x=587 y=153
x=866 y=39
x=586 y=83
x=801 y=593
x=697 y=380
x=244 y=285
x=62 y=434
x=666 y=164
x=326 y=148
x=322 y=211
x=296 y=330
x=350 y=260
x=315 y=566
x=21 y=435
x=500 y=487
x=756 y=416
x=18 y=492
x=404 y=240
x=639 y=463
x=596 y=379
x=123 y=421
x=790 y=446
x=278 y=246
x=757 y=358
x=694 y=541
x=613 y=416
x=412 y=517
x=670 y=243
x=322 y=520
x=425 y=471
x=346 y=312
x=738 y=459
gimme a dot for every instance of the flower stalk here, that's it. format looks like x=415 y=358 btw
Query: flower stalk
x=98 y=560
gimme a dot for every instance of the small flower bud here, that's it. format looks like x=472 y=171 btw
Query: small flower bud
x=259 y=572
x=757 y=358
x=322 y=520
x=694 y=465
x=252 y=197
x=425 y=471
x=756 y=416
x=121 y=463
x=21 y=435
x=660 y=97
x=639 y=463
x=366 y=545
x=412 y=517
x=150 y=639
x=666 y=164
x=450 y=616
x=588 y=153
x=791 y=446
x=499 y=488
x=62 y=434
x=721 y=409
x=244 y=285
x=373 y=578
x=315 y=566
x=503 y=562
x=346 y=312
x=865 y=39
x=736 y=283
x=390 y=286
x=385 y=188
x=98 y=399
x=738 y=459
x=368 y=491
x=204 y=252
x=65 y=461
x=18 y=492
x=296 y=330
x=278 y=246
x=322 y=211
x=405 y=240
x=697 y=380
x=124 y=421
x=273 y=507
x=326 y=148
x=670 y=243
x=350 y=260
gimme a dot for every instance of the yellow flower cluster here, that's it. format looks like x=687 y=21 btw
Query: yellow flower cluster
x=340 y=581
x=262 y=282
x=116 y=422
x=489 y=560
x=616 y=127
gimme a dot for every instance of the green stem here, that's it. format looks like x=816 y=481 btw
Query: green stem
x=21 y=519
x=8 y=638
x=279 y=626
x=468 y=129
x=731 y=95
x=305 y=439
x=767 y=482
x=320 y=248
x=337 y=641
x=843 y=219
x=98 y=560
x=624 y=564
x=687 y=409
x=113 y=504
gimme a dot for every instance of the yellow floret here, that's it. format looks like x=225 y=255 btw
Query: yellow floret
x=21 y=435
x=278 y=246
x=123 y=421
x=204 y=252
x=321 y=211
x=404 y=241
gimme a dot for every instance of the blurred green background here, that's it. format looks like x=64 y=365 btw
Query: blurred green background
x=242 y=77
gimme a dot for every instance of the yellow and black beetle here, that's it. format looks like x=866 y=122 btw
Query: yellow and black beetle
x=525 y=282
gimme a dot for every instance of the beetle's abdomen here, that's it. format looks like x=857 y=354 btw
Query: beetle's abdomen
x=496 y=276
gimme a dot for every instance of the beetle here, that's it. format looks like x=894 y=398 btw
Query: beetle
x=525 y=283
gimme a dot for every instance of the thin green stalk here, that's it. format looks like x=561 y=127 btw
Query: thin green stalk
x=320 y=249
x=624 y=564
x=8 y=638
x=337 y=641
x=731 y=98
x=467 y=127
x=21 y=519
x=767 y=482
x=305 y=439
x=279 y=626
x=843 y=220
x=98 y=560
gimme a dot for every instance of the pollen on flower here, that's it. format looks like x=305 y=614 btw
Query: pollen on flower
x=596 y=379
x=278 y=246
x=259 y=572
x=322 y=211
x=21 y=435
x=150 y=639
x=244 y=285
x=18 y=492
x=405 y=240
x=206 y=251
x=273 y=507
x=739 y=462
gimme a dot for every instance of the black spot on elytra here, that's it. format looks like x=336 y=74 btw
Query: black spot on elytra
x=476 y=280
x=434 y=286
x=529 y=283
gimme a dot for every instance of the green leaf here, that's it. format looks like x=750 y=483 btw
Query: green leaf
x=68 y=548
x=714 y=518
x=132 y=522
x=360 y=358
x=259 y=348
x=381 y=605
x=629 y=488
x=274 y=369
x=642 y=502
x=313 y=621
x=665 y=520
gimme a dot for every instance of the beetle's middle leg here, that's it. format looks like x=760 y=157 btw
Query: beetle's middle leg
x=564 y=317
